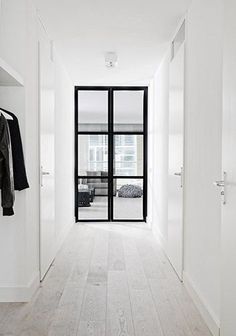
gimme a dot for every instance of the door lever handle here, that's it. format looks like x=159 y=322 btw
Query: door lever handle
x=43 y=173
x=220 y=184
x=178 y=174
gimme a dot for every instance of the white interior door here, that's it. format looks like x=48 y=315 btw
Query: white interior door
x=47 y=153
x=228 y=272
x=176 y=150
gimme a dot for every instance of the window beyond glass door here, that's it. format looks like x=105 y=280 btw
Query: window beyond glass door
x=128 y=155
x=92 y=154
x=128 y=111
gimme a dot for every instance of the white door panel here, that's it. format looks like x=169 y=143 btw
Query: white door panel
x=228 y=243
x=47 y=190
x=176 y=149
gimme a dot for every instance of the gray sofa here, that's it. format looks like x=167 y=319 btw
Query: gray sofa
x=100 y=184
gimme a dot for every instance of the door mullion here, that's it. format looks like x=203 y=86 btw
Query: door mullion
x=110 y=156
x=76 y=156
x=145 y=152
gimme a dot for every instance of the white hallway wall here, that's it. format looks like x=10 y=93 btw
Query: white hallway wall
x=19 y=238
x=202 y=155
x=19 y=234
x=64 y=152
x=159 y=119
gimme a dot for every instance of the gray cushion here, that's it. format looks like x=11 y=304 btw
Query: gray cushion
x=130 y=191
x=104 y=174
x=98 y=185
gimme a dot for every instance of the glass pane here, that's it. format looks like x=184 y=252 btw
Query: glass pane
x=92 y=155
x=128 y=111
x=128 y=201
x=128 y=155
x=92 y=198
x=93 y=111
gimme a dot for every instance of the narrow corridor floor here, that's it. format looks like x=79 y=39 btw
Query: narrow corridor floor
x=107 y=280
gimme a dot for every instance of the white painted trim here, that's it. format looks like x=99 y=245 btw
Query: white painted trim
x=149 y=222
x=160 y=238
x=209 y=317
x=181 y=21
x=164 y=245
x=21 y=293
x=10 y=75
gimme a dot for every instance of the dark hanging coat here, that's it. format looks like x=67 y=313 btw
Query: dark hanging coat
x=20 y=178
x=6 y=169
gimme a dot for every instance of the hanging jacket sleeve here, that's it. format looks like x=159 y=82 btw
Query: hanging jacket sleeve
x=6 y=169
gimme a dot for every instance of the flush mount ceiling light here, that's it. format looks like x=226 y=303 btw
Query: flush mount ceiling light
x=111 y=59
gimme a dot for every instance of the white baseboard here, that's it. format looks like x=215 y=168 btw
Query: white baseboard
x=206 y=313
x=21 y=293
x=208 y=316
x=25 y=293
x=149 y=222
x=159 y=237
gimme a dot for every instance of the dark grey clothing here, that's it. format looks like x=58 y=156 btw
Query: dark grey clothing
x=6 y=169
x=19 y=172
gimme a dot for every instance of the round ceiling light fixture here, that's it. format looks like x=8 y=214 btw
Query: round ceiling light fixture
x=111 y=59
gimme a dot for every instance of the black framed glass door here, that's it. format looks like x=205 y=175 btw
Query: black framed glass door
x=111 y=153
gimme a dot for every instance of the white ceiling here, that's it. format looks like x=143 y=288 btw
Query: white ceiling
x=138 y=30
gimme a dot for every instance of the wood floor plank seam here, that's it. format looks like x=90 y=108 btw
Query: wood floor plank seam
x=87 y=324
x=131 y=290
x=127 y=283
x=90 y=260
x=51 y=333
x=157 y=312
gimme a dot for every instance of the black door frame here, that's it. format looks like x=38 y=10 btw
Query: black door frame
x=110 y=133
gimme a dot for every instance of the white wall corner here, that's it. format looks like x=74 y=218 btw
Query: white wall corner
x=21 y=293
x=159 y=237
x=209 y=317
x=149 y=222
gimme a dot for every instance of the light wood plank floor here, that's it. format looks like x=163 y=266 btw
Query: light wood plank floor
x=107 y=280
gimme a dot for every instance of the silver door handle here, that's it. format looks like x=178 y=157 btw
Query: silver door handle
x=178 y=174
x=220 y=184
x=43 y=173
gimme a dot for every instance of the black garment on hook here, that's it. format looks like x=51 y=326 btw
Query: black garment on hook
x=6 y=169
x=19 y=172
